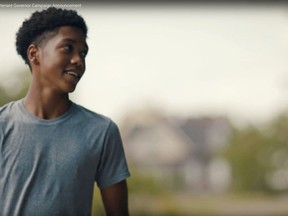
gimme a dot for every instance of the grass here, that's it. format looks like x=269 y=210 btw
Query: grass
x=187 y=204
x=148 y=197
x=208 y=205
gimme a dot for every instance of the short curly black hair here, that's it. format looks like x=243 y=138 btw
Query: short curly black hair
x=41 y=24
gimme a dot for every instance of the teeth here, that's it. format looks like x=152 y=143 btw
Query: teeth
x=73 y=74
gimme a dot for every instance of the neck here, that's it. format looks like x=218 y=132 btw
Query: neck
x=45 y=103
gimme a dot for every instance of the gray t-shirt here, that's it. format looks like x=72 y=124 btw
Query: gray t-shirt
x=48 y=167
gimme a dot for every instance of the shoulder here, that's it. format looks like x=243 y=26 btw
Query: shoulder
x=90 y=117
x=8 y=115
x=7 y=110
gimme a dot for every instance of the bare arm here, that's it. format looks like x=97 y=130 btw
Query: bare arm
x=115 y=199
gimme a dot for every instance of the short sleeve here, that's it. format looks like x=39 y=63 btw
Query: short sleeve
x=113 y=166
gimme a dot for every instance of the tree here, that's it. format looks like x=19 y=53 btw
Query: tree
x=245 y=152
x=259 y=157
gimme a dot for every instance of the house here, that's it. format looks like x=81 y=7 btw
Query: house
x=177 y=147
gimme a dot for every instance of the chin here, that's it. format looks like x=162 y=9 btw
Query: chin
x=69 y=90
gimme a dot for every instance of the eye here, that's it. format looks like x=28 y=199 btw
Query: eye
x=68 y=47
x=84 y=53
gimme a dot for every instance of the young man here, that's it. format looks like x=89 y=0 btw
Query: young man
x=51 y=149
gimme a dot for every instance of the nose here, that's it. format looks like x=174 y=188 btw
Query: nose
x=78 y=60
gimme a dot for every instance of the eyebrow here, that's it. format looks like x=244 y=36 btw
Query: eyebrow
x=74 y=41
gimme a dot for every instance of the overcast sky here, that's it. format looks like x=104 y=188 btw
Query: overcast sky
x=186 y=60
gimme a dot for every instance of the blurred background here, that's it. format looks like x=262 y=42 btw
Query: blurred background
x=199 y=92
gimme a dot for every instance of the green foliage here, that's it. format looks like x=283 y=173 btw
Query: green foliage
x=143 y=183
x=256 y=156
x=245 y=154
x=98 y=208
x=277 y=130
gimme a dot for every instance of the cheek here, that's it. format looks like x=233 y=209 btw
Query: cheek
x=55 y=60
x=48 y=59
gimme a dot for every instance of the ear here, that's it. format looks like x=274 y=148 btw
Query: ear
x=32 y=54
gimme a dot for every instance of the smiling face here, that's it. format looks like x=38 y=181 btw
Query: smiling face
x=59 y=63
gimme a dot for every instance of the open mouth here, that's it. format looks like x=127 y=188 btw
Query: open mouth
x=76 y=75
